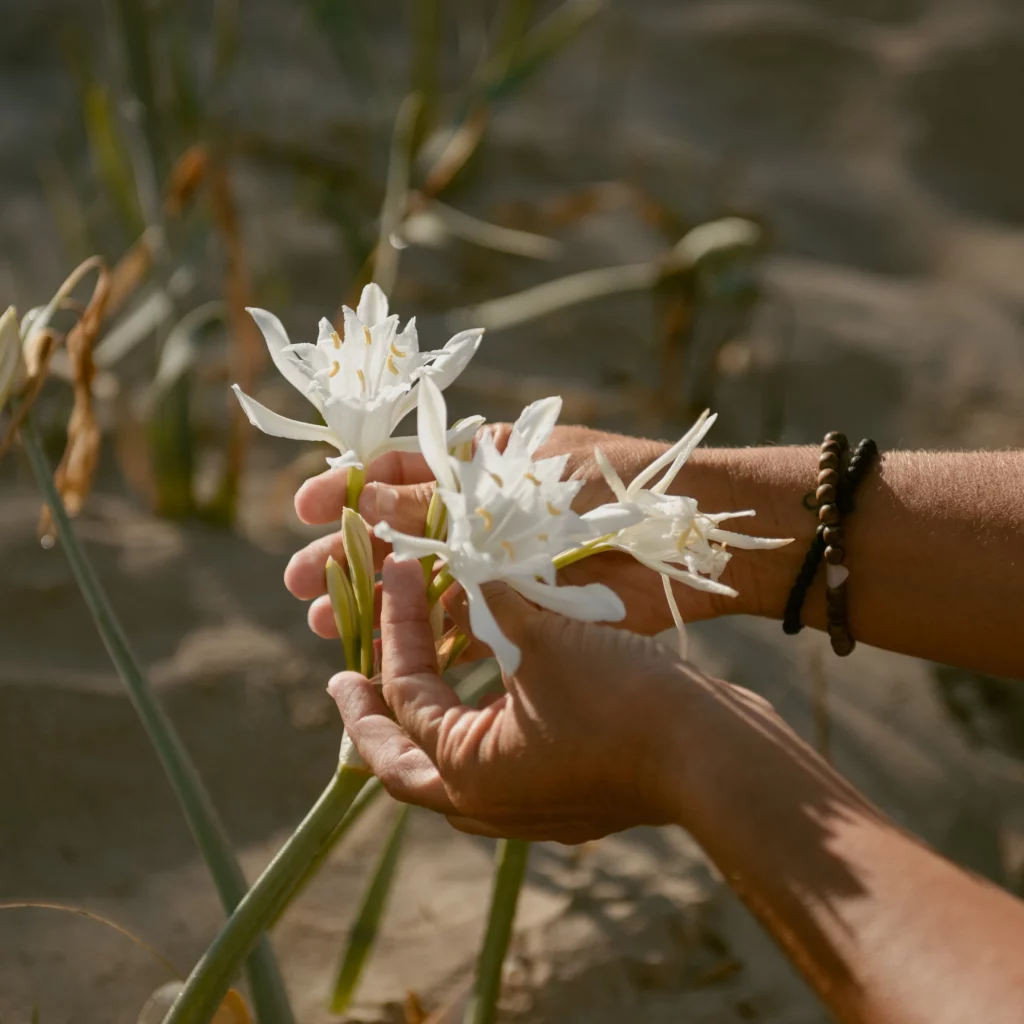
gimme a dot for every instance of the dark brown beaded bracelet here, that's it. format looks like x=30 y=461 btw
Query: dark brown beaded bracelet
x=833 y=500
x=825 y=497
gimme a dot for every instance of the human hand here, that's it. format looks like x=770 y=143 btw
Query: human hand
x=399 y=488
x=585 y=740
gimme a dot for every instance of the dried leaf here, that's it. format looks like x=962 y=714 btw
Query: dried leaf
x=186 y=177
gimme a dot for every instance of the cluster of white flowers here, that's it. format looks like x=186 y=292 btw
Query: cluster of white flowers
x=509 y=513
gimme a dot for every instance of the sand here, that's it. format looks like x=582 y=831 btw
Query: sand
x=877 y=141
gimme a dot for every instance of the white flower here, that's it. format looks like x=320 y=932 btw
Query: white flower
x=672 y=536
x=509 y=516
x=10 y=355
x=364 y=385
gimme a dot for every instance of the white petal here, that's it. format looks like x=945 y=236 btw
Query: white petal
x=465 y=430
x=347 y=460
x=745 y=542
x=287 y=363
x=280 y=426
x=677 y=617
x=684 y=449
x=691 y=579
x=665 y=458
x=612 y=517
x=373 y=305
x=486 y=629
x=534 y=425
x=345 y=417
x=431 y=424
x=593 y=602
x=610 y=474
x=408 y=547
x=447 y=364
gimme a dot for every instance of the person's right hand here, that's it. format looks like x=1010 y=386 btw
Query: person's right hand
x=595 y=733
x=399 y=490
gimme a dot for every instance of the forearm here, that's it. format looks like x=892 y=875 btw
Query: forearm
x=882 y=927
x=935 y=547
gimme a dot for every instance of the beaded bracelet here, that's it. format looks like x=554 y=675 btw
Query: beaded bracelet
x=833 y=500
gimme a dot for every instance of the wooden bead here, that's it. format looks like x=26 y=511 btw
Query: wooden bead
x=829 y=478
x=828 y=460
x=833 y=446
x=833 y=535
x=825 y=494
x=843 y=644
x=836 y=435
x=834 y=554
x=829 y=514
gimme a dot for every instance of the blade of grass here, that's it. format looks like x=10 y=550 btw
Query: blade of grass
x=211 y=837
x=371 y=911
x=135 y=35
x=212 y=975
x=512 y=857
x=426 y=30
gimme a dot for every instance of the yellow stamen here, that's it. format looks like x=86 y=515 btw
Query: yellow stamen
x=336 y=338
x=362 y=379
x=367 y=335
x=397 y=353
x=497 y=479
x=335 y=368
x=486 y=517
x=543 y=537
x=533 y=479
x=684 y=539
x=508 y=547
x=390 y=364
x=554 y=511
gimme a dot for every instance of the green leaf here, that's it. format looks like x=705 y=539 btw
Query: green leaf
x=208 y=830
x=371 y=911
x=512 y=856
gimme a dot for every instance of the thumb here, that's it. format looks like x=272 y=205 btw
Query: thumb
x=403 y=508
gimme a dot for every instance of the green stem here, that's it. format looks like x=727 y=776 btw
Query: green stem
x=508 y=881
x=593 y=547
x=212 y=976
x=356 y=481
x=440 y=583
x=268 y=992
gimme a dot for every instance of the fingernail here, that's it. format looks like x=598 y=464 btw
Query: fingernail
x=335 y=686
x=378 y=501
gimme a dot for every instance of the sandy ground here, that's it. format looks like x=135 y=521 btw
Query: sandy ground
x=876 y=138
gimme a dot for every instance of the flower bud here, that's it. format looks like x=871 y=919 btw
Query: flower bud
x=10 y=355
x=343 y=603
x=356 y=540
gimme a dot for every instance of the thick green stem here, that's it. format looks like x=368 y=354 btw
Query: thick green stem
x=440 y=583
x=268 y=992
x=594 y=547
x=356 y=481
x=212 y=976
x=508 y=881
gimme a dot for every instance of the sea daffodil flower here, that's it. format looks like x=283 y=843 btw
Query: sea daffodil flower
x=671 y=535
x=363 y=385
x=509 y=515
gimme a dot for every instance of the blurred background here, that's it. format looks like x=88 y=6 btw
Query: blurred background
x=806 y=214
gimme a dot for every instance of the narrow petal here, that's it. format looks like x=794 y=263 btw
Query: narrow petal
x=610 y=474
x=407 y=546
x=280 y=426
x=684 y=449
x=746 y=543
x=593 y=602
x=534 y=425
x=431 y=423
x=287 y=363
x=691 y=579
x=373 y=305
x=677 y=617
x=465 y=430
x=665 y=458
x=612 y=517
x=446 y=365
x=486 y=629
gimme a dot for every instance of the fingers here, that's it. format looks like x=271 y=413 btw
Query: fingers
x=321 y=499
x=518 y=620
x=304 y=574
x=404 y=508
x=402 y=767
x=321 y=615
x=422 y=702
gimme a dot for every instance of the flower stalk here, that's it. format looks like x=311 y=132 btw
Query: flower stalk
x=212 y=976
x=359 y=555
x=269 y=997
